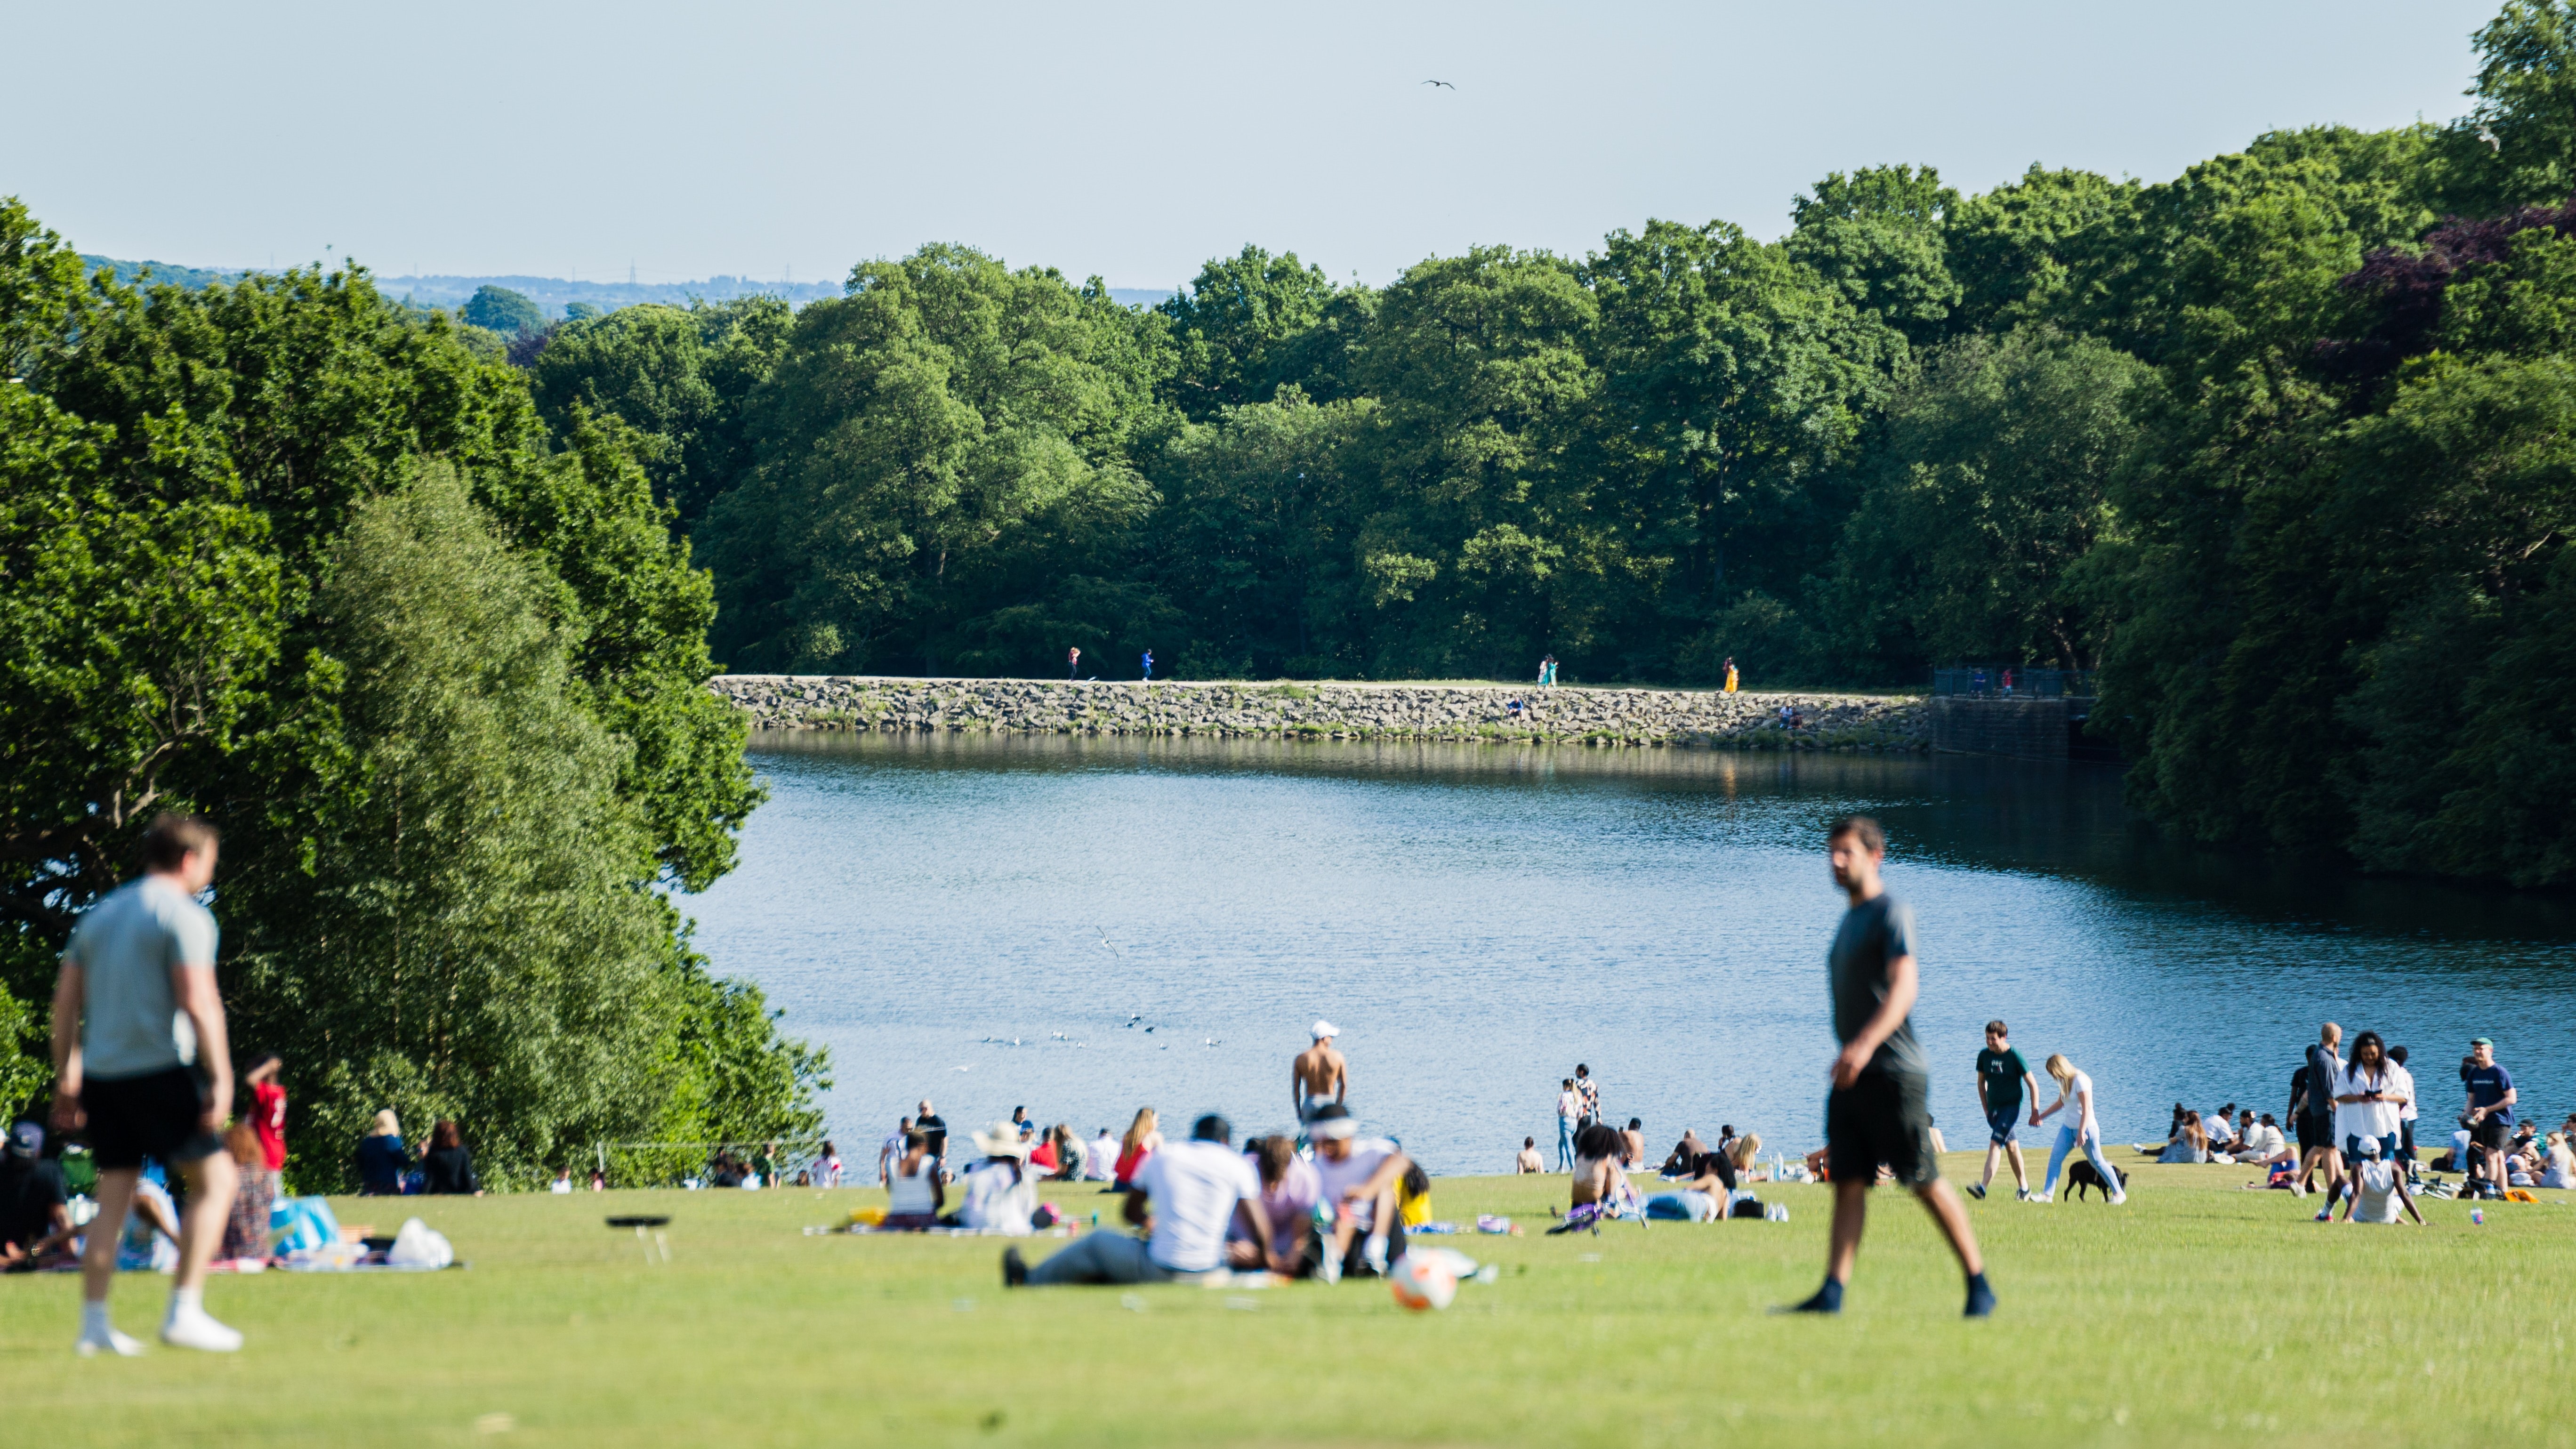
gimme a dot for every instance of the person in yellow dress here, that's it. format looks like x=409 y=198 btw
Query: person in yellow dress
x=1730 y=674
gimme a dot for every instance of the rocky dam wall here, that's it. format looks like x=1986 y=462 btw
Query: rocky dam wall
x=1340 y=711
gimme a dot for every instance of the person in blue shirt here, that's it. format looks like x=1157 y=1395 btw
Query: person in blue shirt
x=2490 y=1115
x=1149 y=666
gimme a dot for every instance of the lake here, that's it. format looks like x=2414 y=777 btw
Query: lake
x=976 y=919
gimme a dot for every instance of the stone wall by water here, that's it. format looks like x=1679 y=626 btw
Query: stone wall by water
x=1466 y=712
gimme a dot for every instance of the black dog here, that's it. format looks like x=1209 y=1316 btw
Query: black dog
x=2080 y=1175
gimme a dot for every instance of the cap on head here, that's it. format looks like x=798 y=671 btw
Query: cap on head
x=1323 y=1030
x=2368 y=1146
x=26 y=1139
x=1332 y=1123
x=2482 y=1041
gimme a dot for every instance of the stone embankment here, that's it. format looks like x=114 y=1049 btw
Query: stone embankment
x=1338 y=711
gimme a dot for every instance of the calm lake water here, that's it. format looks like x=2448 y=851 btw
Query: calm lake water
x=976 y=919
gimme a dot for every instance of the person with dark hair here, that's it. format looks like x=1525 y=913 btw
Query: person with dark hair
x=1184 y=1195
x=2370 y=1098
x=1597 y=1175
x=1632 y=1146
x=1589 y=1089
x=141 y=1060
x=2001 y=1076
x=1289 y=1192
x=1879 y=1113
x=1528 y=1161
x=2314 y=1106
x=2405 y=1114
x=2490 y=1114
x=1569 y=1115
x=35 y=1213
x=268 y=1118
x=914 y=1195
x=447 y=1167
x=1359 y=1177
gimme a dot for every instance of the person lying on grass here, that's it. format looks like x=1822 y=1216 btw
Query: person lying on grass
x=1184 y=1197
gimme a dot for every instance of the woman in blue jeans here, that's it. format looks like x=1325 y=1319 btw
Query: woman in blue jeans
x=2075 y=1099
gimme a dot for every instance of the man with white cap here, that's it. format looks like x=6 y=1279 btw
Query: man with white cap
x=1358 y=1176
x=1318 y=1075
x=2375 y=1189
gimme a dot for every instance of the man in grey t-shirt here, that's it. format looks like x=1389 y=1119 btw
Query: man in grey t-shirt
x=141 y=1062
x=1878 y=1113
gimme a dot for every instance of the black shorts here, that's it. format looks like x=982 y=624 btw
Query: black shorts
x=1883 y=1119
x=157 y=1116
x=2315 y=1132
x=2492 y=1133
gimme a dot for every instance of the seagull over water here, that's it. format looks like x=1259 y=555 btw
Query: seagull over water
x=1444 y=85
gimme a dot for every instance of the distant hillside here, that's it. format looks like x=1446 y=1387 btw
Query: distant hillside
x=552 y=294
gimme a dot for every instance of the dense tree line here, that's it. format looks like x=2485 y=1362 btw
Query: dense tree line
x=2276 y=445
x=298 y=558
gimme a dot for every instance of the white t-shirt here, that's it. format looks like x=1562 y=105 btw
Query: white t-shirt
x=998 y=1198
x=1100 y=1159
x=1568 y=1105
x=1194 y=1187
x=1366 y=1155
x=2365 y=1119
x=2219 y=1129
x=2262 y=1141
x=2404 y=1081
x=2079 y=1098
x=2375 y=1200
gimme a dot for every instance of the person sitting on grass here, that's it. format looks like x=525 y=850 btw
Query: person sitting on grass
x=1597 y=1175
x=1685 y=1156
x=35 y=1216
x=448 y=1168
x=2374 y=1189
x=1360 y=1178
x=1144 y=1138
x=914 y=1193
x=1289 y=1191
x=1746 y=1153
x=1529 y=1161
x=1000 y=1196
x=381 y=1158
x=1702 y=1197
x=2189 y=1142
x=1068 y=1154
x=246 y=1228
x=1632 y=1146
x=2559 y=1170
x=1183 y=1196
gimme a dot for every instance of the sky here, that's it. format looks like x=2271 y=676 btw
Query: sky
x=1127 y=141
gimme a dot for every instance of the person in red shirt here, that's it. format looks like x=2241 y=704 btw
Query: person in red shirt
x=268 y=1117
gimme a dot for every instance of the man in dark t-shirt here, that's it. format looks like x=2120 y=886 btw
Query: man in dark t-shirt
x=2490 y=1115
x=934 y=1133
x=2316 y=1112
x=2001 y=1073
x=1879 y=1112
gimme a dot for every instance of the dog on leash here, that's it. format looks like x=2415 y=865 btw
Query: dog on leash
x=2081 y=1175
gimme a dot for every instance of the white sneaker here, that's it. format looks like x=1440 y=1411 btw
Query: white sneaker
x=2117 y=1201
x=91 y=1346
x=1329 y=1267
x=2043 y=1197
x=199 y=1330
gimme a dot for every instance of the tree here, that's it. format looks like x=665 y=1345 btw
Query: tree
x=498 y=309
x=924 y=441
x=1878 y=235
x=1235 y=326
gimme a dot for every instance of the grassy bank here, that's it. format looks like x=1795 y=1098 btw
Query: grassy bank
x=2197 y=1314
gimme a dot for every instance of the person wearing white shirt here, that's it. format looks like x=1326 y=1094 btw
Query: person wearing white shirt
x=2378 y=1188
x=2079 y=1127
x=2405 y=1114
x=2265 y=1144
x=1358 y=1175
x=2370 y=1098
x=1000 y=1194
x=1186 y=1195
x=1569 y=1109
x=2220 y=1128
x=1100 y=1157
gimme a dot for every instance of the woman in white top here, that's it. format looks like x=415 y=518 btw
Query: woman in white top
x=913 y=1193
x=2369 y=1094
x=2560 y=1161
x=2079 y=1125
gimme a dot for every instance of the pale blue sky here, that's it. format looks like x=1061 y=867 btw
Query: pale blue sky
x=1131 y=141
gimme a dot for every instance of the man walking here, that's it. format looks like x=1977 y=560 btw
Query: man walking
x=1879 y=1111
x=1590 y=1091
x=2315 y=1108
x=1318 y=1075
x=2490 y=1115
x=2001 y=1075
x=1569 y=1109
x=1072 y=662
x=139 y=965
x=1149 y=666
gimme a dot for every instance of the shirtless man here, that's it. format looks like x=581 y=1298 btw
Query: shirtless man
x=1319 y=1075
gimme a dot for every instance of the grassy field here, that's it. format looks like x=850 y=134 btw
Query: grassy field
x=2199 y=1313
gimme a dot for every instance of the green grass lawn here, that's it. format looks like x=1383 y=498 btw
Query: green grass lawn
x=2198 y=1313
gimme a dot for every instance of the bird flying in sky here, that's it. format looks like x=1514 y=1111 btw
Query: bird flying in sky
x=1444 y=85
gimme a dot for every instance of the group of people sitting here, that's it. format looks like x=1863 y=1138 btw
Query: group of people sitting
x=1701 y=1182
x=386 y=1166
x=1207 y=1208
x=2226 y=1135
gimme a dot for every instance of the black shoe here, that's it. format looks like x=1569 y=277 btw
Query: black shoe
x=1977 y=1190
x=1828 y=1300
x=1981 y=1299
x=1015 y=1269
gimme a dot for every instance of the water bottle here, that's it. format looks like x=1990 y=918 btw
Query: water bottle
x=2477 y=1215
